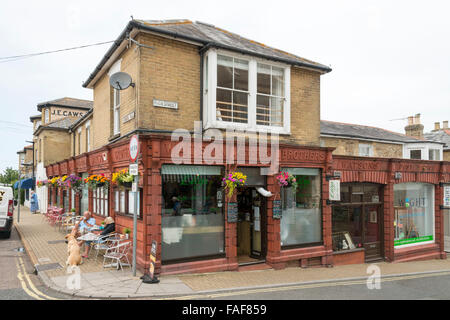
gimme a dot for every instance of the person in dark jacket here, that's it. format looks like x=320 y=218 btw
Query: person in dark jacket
x=110 y=227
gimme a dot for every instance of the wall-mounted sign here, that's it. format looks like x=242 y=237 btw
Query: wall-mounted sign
x=232 y=212
x=134 y=148
x=335 y=190
x=398 y=175
x=133 y=169
x=447 y=196
x=165 y=104
x=276 y=210
x=67 y=113
x=128 y=117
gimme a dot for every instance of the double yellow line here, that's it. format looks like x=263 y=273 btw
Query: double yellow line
x=304 y=286
x=26 y=283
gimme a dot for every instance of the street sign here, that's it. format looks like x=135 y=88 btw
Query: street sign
x=133 y=170
x=134 y=148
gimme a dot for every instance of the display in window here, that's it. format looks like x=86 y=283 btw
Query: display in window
x=342 y=241
x=413 y=213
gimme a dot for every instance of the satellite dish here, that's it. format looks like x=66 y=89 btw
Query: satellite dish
x=120 y=80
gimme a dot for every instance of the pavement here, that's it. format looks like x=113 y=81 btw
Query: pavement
x=45 y=246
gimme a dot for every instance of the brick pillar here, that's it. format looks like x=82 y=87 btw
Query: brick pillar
x=273 y=227
x=439 y=220
x=388 y=220
x=230 y=234
x=327 y=222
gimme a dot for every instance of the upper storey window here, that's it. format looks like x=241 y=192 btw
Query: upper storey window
x=244 y=92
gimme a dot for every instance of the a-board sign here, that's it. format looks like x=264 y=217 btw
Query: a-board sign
x=276 y=210
x=232 y=212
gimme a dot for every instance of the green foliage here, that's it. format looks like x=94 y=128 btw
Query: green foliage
x=9 y=176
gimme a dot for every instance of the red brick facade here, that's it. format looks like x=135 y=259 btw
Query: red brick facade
x=156 y=151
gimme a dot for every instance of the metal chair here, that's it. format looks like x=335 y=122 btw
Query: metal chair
x=104 y=242
x=118 y=253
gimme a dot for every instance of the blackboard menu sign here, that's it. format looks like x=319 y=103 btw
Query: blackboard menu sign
x=232 y=212
x=276 y=211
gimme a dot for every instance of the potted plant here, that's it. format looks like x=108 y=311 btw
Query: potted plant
x=122 y=178
x=127 y=232
x=233 y=180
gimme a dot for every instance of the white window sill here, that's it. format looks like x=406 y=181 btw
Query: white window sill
x=246 y=127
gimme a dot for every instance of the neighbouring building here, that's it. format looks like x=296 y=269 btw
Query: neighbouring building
x=51 y=135
x=184 y=72
x=441 y=135
x=367 y=141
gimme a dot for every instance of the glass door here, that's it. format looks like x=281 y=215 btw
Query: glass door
x=258 y=209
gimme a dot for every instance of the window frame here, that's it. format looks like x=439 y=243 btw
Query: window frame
x=210 y=88
x=100 y=199
x=116 y=111
x=365 y=145
x=88 y=136
x=46 y=116
x=116 y=194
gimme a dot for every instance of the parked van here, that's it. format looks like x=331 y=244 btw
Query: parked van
x=6 y=210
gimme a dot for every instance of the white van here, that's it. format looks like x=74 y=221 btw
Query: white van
x=6 y=210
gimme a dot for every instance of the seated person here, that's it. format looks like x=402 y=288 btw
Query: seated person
x=85 y=225
x=87 y=222
x=110 y=227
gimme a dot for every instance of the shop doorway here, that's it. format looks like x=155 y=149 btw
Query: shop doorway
x=358 y=220
x=251 y=226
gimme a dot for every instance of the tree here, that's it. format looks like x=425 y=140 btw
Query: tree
x=9 y=176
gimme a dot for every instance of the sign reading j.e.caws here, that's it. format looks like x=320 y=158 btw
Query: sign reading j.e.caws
x=62 y=112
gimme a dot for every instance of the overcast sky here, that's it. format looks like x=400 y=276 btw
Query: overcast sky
x=390 y=59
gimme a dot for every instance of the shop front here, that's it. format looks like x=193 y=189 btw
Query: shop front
x=357 y=221
x=389 y=209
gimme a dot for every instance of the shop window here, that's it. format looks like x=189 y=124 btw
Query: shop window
x=58 y=203
x=192 y=212
x=124 y=202
x=100 y=201
x=356 y=218
x=84 y=196
x=301 y=221
x=413 y=213
x=66 y=200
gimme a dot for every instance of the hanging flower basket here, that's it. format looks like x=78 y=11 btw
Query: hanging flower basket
x=54 y=181
x=97 y=181
x=232 y=181
x=286 y=180
x=122 y=179
x=41 y=183
x=74 y=182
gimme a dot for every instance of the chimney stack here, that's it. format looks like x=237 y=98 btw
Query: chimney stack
x=414 y=127
x=437 y=126
x=445 y=124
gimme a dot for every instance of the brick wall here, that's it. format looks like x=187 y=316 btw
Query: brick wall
x=102 y=121
x=55 y=146
x=350 y=147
